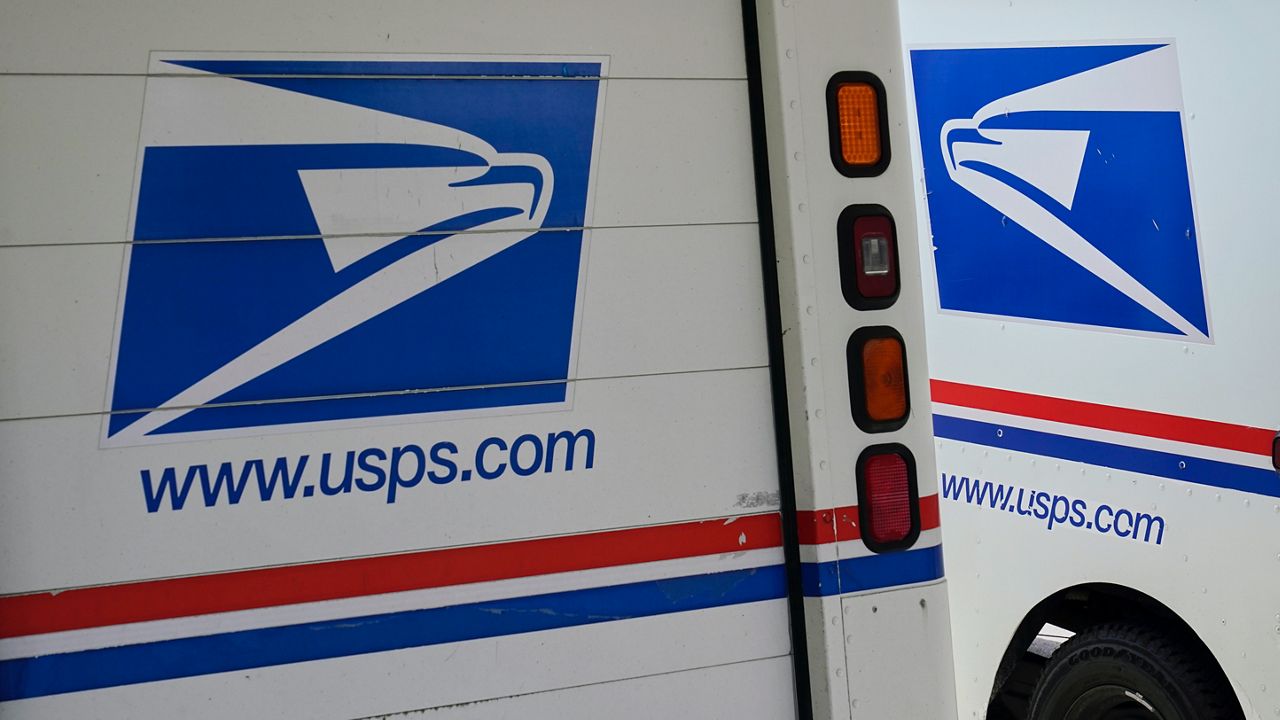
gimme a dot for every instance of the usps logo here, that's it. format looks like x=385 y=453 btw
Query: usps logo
x=1058 y=186
x=332 y=239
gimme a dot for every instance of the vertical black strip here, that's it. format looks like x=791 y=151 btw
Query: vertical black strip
x=777 y=373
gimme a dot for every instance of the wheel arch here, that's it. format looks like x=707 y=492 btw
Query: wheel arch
x=1075 y=608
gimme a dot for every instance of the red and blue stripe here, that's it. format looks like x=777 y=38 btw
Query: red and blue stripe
x=1115 y=452
x=137 y=632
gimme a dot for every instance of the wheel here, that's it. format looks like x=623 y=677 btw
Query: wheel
x=1125 y=671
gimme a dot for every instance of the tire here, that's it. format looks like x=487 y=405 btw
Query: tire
x=1126 y=671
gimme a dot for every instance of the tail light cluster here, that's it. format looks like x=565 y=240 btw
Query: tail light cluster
x=876 y=355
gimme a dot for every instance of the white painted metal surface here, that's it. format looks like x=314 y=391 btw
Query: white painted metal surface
x=1212 y=556
x=668 y=375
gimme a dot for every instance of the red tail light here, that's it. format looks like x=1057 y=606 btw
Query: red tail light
x=888 y=501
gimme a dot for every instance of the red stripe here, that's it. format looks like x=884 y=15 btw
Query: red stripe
x=246 y=589
x=817 y=527
x=929 y=513
x=1106 y=417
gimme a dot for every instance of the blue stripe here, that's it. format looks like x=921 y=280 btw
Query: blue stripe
x=185 y=657
x=1121 y=457
x=403 y=68
x=873 y=572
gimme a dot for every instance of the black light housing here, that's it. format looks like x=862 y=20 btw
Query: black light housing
x=888 y=498
x=857 y=124
x=867 y=248
x=1275 y=452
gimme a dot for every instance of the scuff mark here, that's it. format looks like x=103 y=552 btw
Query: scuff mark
x=761 y=498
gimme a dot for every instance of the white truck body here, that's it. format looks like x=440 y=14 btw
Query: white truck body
x=420 y=358
x=1102 y=340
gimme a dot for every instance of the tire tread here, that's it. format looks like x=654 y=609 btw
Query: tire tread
x=1191 y=672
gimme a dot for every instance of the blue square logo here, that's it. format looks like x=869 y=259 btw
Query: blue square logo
x=331 y=240
x=1058 y=186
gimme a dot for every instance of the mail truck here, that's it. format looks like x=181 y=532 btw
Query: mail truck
x=1100 y=270
x=463 y=359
